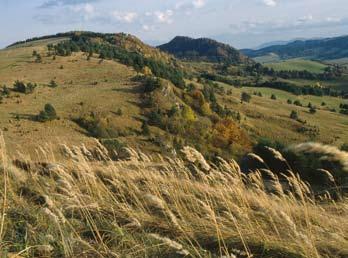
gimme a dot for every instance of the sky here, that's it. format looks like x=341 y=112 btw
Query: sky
x=241 y=23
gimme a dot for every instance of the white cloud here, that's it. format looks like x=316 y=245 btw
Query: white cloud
x=126 y=17
x=306 y=18
x=333 y=19
x=270 y=3
x=164 y=17
x=198 y=3
x=86 y=8
x=55 y=3
x=148 y=27
x=87 y=11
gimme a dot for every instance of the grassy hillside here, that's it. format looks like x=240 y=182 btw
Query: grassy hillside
x=105 y=87
x=139 y=154
x=298 y=65
x=269 y=118
x=83 y=86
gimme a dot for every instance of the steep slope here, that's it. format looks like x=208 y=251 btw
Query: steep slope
x=322 y=49
x=203 y=49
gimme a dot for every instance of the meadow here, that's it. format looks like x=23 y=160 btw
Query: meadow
x=83 y=86
x=298 y=64
x=270 y=118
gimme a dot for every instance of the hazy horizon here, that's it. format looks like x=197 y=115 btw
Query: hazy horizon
x=242 y=24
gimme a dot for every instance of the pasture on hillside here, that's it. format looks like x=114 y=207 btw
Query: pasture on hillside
x=298 y=64
x=83 y=86
x=264 y=117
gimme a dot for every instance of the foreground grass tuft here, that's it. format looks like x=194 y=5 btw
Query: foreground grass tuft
x=90 y=206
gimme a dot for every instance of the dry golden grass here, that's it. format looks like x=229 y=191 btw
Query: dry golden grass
x=83 y=86
x=107 y=86
x=90 y=206
x=271 y=118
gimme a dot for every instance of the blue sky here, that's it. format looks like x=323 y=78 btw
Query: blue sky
x=241 y=23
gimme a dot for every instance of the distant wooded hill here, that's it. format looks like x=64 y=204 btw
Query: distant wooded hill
x=203 y=49
x=321 y=49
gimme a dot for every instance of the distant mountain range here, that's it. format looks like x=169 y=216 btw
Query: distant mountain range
x=203 y=49
x=280 y=43
x=321 y=49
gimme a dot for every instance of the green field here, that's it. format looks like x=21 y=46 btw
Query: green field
x=271 y=58
x=298 y=65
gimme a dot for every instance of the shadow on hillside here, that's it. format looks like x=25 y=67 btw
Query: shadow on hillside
x=138 y=104
x=134 y=90
x=140 y=119
x=24 y=116
x=82 y=131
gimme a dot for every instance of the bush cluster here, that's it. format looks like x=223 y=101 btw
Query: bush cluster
x=21 y=87
x=47 y=114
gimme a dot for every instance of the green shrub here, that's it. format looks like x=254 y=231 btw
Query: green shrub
x=188 y=114
x=52 y=84
x=155 y=118
x=297 y=103
x=344 y=111
x=113 y=146
x=145 y=130
x=38 y=58
x=245 y=97
x=344 y=147
x=5 y=92
x=343 y=106
x=99 y=126
x=312 y=110
x=150 y=84
x=24 y=88
x=294 y=115
x=48 y=114
x=119 y=112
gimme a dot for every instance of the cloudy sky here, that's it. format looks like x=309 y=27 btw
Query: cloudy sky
x=242 y=23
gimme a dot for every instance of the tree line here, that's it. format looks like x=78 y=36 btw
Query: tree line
x=275 y=84
x=330 y=72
